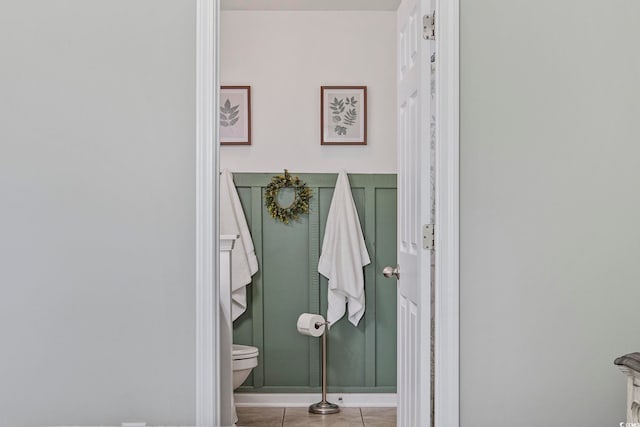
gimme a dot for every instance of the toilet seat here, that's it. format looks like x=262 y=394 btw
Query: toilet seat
x=241 y=352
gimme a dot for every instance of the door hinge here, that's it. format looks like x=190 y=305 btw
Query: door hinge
x=428 y=237
x=429 y=26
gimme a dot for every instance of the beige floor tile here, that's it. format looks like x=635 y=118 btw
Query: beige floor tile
x=300 y=417
x=379 y=417
x=260 y=417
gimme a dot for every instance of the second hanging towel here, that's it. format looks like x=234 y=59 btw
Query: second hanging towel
x=344 y=253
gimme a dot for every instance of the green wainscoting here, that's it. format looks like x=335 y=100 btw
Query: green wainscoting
x=362 y=359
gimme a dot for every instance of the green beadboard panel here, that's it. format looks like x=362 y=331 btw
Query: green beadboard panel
x=361 y=359
x=286 y=292
x=386 y=289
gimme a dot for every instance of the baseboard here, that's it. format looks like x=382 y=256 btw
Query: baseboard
x=291 y=400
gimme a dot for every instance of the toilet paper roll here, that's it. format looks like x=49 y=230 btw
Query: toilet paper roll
x=307 y=324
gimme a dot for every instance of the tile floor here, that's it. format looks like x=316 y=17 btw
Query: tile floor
x=295 y=417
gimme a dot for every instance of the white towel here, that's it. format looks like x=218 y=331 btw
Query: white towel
x=344 y=253
x=244 y=263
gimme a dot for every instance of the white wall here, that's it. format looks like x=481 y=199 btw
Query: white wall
x=285 y=57
x=97 y=184
x=550 y=271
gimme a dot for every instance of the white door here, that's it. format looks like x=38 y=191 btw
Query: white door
x=414 y=211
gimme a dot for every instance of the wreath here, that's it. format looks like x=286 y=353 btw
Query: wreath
x=300 y=204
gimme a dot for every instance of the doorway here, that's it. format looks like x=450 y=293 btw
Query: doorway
x=346 y=154
x=266 y=50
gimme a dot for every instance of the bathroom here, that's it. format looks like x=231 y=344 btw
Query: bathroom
x=108 y=170
x=286 y=56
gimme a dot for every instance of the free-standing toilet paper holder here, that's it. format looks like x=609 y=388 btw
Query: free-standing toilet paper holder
x=324 y=407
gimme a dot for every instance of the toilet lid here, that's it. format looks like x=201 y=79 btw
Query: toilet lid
x=243 y=352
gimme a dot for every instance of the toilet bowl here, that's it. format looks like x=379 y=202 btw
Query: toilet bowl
x=244 y=359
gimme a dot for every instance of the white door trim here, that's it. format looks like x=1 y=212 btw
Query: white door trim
x=207 y=230
x=447 y=331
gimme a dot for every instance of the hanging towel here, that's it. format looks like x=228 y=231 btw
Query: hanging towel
x=344 y=253
x=244 y=263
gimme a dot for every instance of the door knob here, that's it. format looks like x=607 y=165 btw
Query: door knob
x=391 y=271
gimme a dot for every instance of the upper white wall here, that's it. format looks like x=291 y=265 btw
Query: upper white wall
x=285 y=57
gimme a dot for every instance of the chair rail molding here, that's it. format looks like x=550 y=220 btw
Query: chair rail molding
x=207 y=228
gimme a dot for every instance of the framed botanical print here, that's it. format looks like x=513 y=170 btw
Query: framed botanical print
x=343 y=115
x=235 y=115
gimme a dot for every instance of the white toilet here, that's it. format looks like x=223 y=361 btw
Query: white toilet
x=244 y=359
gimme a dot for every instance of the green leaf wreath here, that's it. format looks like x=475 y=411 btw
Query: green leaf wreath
x=300 y=203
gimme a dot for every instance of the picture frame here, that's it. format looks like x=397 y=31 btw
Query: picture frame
x=235 y=115
x=343 y=115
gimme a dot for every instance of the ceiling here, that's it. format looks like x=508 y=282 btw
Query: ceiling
x=310 y=4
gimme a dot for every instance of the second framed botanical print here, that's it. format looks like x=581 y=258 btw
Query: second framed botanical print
x=235 y=115
x=343 y=111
